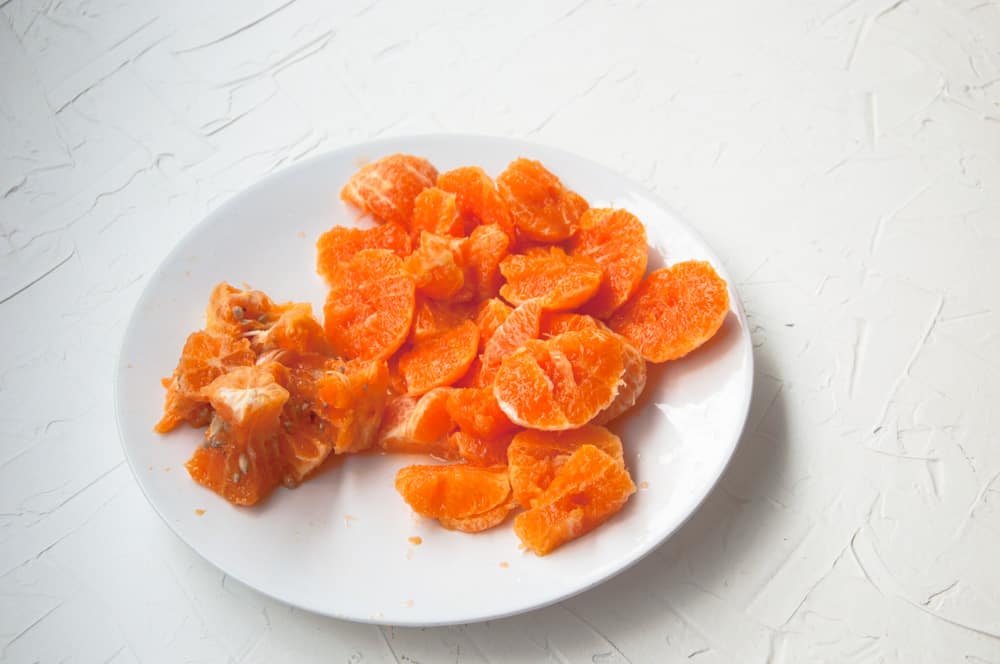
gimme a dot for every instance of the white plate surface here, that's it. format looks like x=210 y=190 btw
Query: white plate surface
x=339 y=545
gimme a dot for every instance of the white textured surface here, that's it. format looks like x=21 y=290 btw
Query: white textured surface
x=842 y=157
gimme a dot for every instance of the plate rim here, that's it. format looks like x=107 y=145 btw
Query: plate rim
x=234 y=201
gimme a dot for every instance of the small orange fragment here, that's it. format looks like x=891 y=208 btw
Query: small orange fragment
x=240 y=459
x=339 y=244
x=534 y=457
x=522 y=324
x=560 y=383
x=586 y=491
x=437 y=266
x=541 y=207
x=454 y=492
x=675 y=311
x=418 y=425
x=238 y=312
x=387 y=188
x=296 y=329
x=204 y=358
x=476 y=412
x=561 y=281
x=616 y=239
x=435 y=211
x=370 y=305
x=351 y=399
x=479 y=202
x=489 y=316
x=633 y=383
x=440 y=360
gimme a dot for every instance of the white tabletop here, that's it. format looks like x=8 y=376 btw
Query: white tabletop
x=841 y=157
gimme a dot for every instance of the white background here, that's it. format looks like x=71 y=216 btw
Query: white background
x=841 y=157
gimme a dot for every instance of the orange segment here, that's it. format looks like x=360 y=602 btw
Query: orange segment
x=674 y=311
x=633 y=383
x=481 y=451
x=555 y=323
x=440 y=360
x=480 y=522
x=540 y=206
x=453 y=492
x=534 y=457
x=479 y=202
x=296 y=329
x=560 y=383
x=562 y=281
x=351 y=399
x=435 y=211
x=616 y=239
x=475 y=412
x=588 y=490
x=370 y=306
x=521 y=325
x=340 y=244
x=204 y=358
x=487 y=246
x=432 y=317
x=240 y=459
x=436 y=266
x=490 y=315
x=238 y=312
x=387 y=188
x=418 y=425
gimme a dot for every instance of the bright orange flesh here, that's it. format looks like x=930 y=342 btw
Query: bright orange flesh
x=296 y=329
x=480 y=522
x=561 y=383
x=486 y=248
x=534 y=457
x=633 y=383
x=675 y=311
x=475 y=412
x=437 y=266
x=432 y=317
x=439 y=360
x=522 y=325
x=479 y=202
x=370 y=306
x=616 y=239
x=387 y=188
x=418 y=425
x=586 y=491
x=435 y=211
x=555 y=323
x=457 y=491
x=561 y=281
x=481 y=451
x=540 y=206
x=340 y=244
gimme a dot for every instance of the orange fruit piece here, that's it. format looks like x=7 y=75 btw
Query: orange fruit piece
x=204 y=358
x=370 y=306
x=435 y=211
x=486 y=247
x=480 y=522
x=339 y=244
x=387 y=188
x=555 y=323
x=296 y=329
x=418 y=425
x=351 y=399
x=561 y=383
x=534 y=457
x=616 y=239
x=521 y=325
x=240 y=459
x=476 y=413
x=454 y=492
x=490 y=314
x=439 y=360
x=437 y=266
x=586 y=491
x=675 y=311
x=481 y=451
x=432 y=317
x=238 y=312
x=540 y=206
x=479 y=202
x=560 y=280
x=633 y=383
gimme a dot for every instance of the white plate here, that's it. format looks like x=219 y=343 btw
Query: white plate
x=339 y=545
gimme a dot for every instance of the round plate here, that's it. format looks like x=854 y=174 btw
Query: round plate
x=339 y=544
